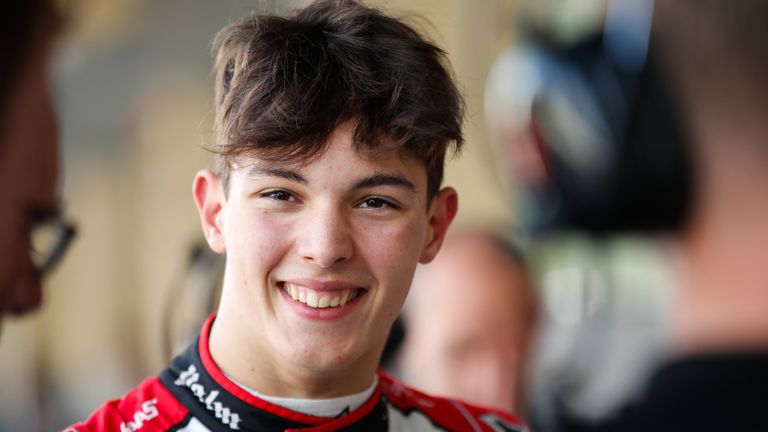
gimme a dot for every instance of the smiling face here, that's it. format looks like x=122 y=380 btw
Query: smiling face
x=320 y=257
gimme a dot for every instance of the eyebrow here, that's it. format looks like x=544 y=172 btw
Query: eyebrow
x=395 y=180
x=261 y=171
x=385 y=180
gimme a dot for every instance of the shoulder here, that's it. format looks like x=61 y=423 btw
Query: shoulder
x=148 y=404
x=450 y=414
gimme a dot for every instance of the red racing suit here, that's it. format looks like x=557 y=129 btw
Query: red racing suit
x=194 y=395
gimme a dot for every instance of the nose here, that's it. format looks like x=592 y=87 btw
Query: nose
x=326 y=237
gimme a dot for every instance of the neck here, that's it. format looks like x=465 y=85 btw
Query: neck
x=724 y=297
x=253 y=364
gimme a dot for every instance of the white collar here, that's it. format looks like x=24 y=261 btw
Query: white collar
x=331 y=408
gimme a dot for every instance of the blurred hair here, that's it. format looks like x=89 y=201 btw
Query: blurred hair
x=505 y=253
x=283 y=85
x=510 y=249
x=23 y=22
x=715 y=51
x=501 y=243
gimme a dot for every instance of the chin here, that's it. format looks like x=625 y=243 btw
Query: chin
x=326 y=357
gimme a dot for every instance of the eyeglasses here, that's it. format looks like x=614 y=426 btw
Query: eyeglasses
x=50 y=238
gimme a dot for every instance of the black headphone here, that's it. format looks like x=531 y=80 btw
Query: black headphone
x=607 y=130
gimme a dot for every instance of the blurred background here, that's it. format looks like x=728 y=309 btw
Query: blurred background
x=134 y=93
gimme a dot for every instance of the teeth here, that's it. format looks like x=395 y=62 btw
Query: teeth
x=315 y=300
x=312 y=299
x=344 y=298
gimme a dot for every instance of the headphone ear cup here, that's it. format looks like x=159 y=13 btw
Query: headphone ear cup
x=656 y=172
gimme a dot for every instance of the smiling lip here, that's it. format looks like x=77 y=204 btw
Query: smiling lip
x=321 y=300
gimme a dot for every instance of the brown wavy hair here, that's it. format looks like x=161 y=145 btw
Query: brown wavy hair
x=284 y=84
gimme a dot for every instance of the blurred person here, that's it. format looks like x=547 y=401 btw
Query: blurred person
x=468 y=322
x=32 y=236
x=333 y=125
x=706 y=74
x=714 y=57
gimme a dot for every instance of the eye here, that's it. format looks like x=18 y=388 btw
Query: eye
x=376 y=203
x=279 y=195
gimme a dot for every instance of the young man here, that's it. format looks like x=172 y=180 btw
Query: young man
x=332 y=130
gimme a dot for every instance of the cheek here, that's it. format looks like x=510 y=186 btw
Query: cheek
x=392 y=254
x=14 y=228
x=256 y=242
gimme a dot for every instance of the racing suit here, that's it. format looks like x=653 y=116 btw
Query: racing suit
x=194 y=395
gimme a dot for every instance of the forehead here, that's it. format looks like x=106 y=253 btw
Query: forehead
x=342 y=156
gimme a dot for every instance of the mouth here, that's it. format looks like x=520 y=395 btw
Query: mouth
x=321 y=299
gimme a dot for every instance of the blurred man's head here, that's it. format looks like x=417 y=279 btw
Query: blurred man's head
x=713 y=55
x=468 y=322
x=28 y=147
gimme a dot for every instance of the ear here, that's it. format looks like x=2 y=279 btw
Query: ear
x=209 y=199
x=441 y=213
